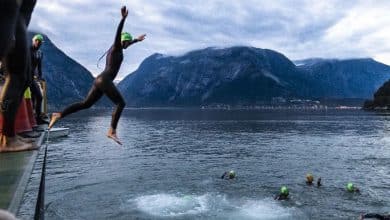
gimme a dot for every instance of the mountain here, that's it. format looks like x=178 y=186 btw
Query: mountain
x=238 y=75
x=247 y=75
x=381 y=98
x=234 y=76
x=340 y=79
x=67 y=80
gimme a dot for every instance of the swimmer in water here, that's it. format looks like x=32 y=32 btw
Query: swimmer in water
x=319 y=182
x=375 y=216
x=309 y=179
x=283 y=195
x=352 y=188
x=229 y=175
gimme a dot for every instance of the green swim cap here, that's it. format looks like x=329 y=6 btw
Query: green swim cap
x=284 y=191
x=126 y=36
x=38 y=37
x=350 y=187
x=232 y=174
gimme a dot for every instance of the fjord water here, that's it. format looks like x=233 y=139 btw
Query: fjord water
x=171 y=162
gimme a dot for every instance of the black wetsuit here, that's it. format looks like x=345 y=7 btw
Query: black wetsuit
x=9 y=11
x=103 y=84
x=1 y=72
x=376 y=216
x=36 y=70
x=227 y=175
x=17 y=61
x=281 y=197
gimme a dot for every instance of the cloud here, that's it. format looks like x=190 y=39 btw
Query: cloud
x=85 y=29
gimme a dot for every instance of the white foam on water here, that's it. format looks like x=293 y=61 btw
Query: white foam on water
x=264 y=209
x=169 y=205
x=172 y=205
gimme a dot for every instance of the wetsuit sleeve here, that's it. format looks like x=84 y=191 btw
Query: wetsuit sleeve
x=40 y=67
x=117 y=42
x=134 y=41
x=373 y=215
x=26 y=10
x=1 y=70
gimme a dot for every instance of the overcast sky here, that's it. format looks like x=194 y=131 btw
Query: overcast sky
x=85 y=29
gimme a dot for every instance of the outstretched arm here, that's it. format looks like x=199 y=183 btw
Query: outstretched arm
x=124 y=13
x=138 y=39
x=372 y=215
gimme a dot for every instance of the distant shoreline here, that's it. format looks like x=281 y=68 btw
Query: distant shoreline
x=322 y=108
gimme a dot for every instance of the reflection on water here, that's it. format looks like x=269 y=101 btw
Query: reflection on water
x=170 y=164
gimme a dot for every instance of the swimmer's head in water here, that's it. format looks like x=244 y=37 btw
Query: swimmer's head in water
x=309 y=178
x=284 y=191
x=37 y=40
x=232 y=174
x=126 y=38
x=350 y=187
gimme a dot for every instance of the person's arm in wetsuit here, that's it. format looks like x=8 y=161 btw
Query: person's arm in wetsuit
x=2 y=77
x=26 y=10
x=279 y=197
x=138 y=39
x=375 y=216
x=40 y=67
x=118 y=43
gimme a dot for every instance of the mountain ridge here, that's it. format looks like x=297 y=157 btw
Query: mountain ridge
x=235 y=66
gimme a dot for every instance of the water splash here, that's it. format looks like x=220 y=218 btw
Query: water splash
x=171 y=205
x=212 y=206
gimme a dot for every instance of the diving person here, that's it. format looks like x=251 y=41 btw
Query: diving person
x=103 y=84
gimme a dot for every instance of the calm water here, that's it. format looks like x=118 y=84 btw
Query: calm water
x=170 y=164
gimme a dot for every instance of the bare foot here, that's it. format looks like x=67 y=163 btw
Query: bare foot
x=112 y=134
x=13 y=144
x=27 y=140
x=54 y=119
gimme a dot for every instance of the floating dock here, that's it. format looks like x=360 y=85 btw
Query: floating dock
x=21 y=172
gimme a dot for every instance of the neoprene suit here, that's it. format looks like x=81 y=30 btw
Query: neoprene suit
x=36 y=64
x=17 y=61
x=103 y=84
x=376 y=216
x=9 y=11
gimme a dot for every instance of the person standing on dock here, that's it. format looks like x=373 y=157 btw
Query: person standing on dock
x=36 y=77
x=15 y=17
x=103 y=84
